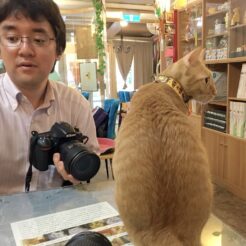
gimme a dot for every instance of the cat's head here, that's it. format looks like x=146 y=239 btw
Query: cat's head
x=193 y=75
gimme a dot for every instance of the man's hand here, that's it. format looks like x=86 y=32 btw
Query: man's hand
x=61 y=169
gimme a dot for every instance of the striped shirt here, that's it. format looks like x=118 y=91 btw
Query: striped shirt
x=18 y=118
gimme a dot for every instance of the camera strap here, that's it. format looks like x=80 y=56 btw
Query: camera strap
x=28 y=178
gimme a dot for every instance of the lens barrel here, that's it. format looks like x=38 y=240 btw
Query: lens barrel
x=81 y=163
x=89 y=238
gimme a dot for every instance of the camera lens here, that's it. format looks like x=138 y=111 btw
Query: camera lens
x=79 y=161
x=89 y=238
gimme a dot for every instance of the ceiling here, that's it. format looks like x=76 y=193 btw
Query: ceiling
x=81 y=12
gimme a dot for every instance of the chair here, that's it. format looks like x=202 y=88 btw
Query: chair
x=106 y=152
x=124 y=107
x=121 y=96
x=86 y=94
x=111 y=107
x=127 y=96
x=107 y=143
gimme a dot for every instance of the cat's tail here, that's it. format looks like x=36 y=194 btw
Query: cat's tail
x=162 y=238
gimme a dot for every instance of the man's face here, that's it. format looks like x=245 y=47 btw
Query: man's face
x=28 y=64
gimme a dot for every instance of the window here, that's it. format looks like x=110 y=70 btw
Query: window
x=129 y=79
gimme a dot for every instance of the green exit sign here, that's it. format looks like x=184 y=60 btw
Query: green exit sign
x=131 y=18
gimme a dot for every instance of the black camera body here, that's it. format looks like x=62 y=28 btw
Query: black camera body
x=70 y=143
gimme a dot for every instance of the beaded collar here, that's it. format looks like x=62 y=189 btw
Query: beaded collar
x=176 y=86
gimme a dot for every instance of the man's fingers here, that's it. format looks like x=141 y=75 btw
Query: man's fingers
x=61 y=169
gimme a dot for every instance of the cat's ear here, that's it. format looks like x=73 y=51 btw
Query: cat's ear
x=195 y=55
x=202 y=55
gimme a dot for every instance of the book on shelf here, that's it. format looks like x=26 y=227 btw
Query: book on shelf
x=241 y=91
x=238 y=119
x=216 y=113
x=215 y=119
x=214 y=126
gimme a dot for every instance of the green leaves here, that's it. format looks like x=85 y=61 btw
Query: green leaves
x=98 y=5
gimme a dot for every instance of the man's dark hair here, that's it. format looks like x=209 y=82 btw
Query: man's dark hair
x=37 y=10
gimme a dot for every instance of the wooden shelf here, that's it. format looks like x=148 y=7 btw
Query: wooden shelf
x=226 y=152
x=190 y=40
x=217 y=35
x=237 y=26
x=227 y=60
x=218 y=103
x=217 y=13
x=237 y=99
x=190 y=21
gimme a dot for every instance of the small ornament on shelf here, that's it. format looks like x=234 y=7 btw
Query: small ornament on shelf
x=222 y=48
x=219 y=26
x=235 y=17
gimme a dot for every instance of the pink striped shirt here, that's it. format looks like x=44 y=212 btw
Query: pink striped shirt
x=18 y=118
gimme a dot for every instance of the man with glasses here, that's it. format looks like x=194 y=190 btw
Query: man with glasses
x=32 y=39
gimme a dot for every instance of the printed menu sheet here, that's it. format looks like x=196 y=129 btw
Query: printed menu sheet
x=57 y=228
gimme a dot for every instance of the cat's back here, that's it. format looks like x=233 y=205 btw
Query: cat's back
x=154 y=109
x=154 y=145
x=156 y=137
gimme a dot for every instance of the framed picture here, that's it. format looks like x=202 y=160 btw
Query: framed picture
x=88 y=76
x=169 y=17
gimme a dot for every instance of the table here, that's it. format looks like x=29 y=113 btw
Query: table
x=23 y=206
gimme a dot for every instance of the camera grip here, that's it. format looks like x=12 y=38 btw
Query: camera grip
x=41 y=155
x=42 y=159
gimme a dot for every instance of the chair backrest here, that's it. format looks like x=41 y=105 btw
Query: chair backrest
x=86 y=94
x=125 y=96
x=121 y=96
x=111 y=107
x=124 y=107
x=101 y=121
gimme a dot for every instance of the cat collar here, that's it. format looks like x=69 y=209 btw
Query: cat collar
x=176 y=87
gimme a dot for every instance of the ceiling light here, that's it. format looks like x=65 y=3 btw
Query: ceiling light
x=123 y=23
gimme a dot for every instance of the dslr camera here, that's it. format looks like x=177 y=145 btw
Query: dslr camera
x=81 y=163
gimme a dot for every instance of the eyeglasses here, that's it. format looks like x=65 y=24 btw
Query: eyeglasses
x=15 y=41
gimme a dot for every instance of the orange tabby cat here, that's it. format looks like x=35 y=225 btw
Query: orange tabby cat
x=163 y=187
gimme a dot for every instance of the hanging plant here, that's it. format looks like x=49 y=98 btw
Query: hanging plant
x=99 y=27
